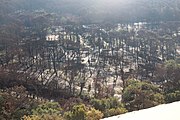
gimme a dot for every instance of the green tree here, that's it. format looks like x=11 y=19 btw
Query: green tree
x=78 y=113
x=82 y=112
x=139 y=95
x=109 y=106
x=46 y=111
x=171 y=84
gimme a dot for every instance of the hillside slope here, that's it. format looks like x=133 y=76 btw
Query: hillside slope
x=103 y=10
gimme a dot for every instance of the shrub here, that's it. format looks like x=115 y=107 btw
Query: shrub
x=14 y=103
x=47 y=108
x=106 y=103
x=77 y=113
x=82 y=112
x=109 y=106
x=45 y=111
x=115 y=103
x=173 y=96
x=114 y=111
x=94 y=114
x=101 y=105
x=43 y=117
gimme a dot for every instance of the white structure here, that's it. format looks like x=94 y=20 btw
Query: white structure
x=52 y=37
x=162 y=112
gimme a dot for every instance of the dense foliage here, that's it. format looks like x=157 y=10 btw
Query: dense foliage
x=109 y=106
x=16 y=104
x=172 y=81
x=140 y=95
